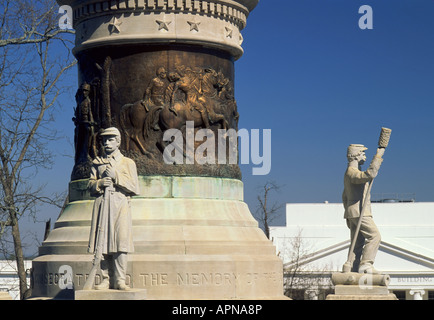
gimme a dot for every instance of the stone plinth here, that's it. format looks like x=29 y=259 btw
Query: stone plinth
x=389 y=296
x=361 y=290
x=194 y=238
x=359 y=286
x=131 y=294
x=356 y=279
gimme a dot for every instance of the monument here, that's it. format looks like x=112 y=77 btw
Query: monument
x=359 y=279
x=147 y=67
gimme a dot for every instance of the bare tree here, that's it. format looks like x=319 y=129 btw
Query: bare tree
x=296 y=253
x=267 y=210
x=299 y=273
x=27 y=21
x=34 y=55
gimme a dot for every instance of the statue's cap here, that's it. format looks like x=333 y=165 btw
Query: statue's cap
x=355 y=149
x=112 y=131
x=85 y=86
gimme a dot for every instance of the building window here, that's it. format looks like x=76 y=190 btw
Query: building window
x=430 y=295
x=400 y=294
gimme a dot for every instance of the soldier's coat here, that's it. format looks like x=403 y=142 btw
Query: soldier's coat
x=118 y=235
x=356 y=189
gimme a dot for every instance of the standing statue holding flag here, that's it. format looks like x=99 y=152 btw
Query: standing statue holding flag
x=365 y=237
x=113 y=180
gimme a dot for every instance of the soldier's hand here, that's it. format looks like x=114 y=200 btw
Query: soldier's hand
x=380 y=152
x=110 y=172
x=105 y=182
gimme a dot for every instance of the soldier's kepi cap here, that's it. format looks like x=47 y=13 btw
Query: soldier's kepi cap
x=85 y=86
x=355 y=149
x=112 y=131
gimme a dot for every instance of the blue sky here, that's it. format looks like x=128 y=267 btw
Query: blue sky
x=319 y=82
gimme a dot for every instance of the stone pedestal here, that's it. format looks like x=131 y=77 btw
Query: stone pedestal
x=357 y=286
x=194 y=238
x=131 y=294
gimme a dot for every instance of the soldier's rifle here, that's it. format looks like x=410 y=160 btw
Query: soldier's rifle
x=101 y=236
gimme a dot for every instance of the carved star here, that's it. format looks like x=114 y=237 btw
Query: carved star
x=194 y=25
x=241 y=39
x=228 y=32
x=114 y=25
x=163 y=24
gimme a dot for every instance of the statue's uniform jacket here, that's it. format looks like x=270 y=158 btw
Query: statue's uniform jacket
x=356 y=189
x=119 y=225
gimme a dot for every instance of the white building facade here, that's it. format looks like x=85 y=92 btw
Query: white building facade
x=406 y=251
x=9 y=282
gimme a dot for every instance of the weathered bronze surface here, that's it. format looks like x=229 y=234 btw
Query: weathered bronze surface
x=146 y=90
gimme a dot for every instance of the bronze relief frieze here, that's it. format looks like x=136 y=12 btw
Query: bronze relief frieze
x=143 y=105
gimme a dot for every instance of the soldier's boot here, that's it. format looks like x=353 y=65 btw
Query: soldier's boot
x=368 y=268
x=120 y=270
x=120 y=285
x=105 y=272
x=347 y=267
x=105 y=284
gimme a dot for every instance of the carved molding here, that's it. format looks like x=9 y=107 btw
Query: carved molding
x=230 y=11
x=209 y=23
x=162 y=27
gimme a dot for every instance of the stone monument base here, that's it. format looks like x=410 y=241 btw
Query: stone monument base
x=110 y=294
x=359 y=286
x=194 y=238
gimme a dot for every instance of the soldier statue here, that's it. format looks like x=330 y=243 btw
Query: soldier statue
x=356 y=197
x=113 y=181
